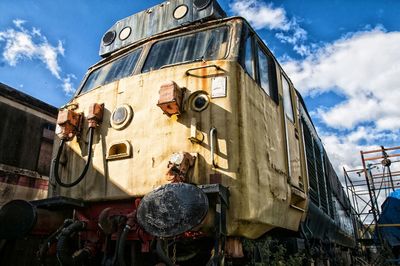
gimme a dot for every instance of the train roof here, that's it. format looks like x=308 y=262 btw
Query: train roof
x=157 y=19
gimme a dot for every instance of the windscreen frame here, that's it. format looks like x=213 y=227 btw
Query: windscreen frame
x=229 y=37
x=137 y=64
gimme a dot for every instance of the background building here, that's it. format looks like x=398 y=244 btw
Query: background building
x=26 y=141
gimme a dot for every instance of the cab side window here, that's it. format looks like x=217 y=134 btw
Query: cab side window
x=263 y=71
x=249 y=57
x=259 y=64
x=266 y=73
x=287 y=100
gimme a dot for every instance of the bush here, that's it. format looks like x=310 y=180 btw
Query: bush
x=270 y=252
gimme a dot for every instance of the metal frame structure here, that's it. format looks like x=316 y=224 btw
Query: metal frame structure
x=369 y=186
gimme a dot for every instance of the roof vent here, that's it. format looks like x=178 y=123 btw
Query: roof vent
x=200 y=4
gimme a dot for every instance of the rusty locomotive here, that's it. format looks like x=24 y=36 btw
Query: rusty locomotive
x=186 y=140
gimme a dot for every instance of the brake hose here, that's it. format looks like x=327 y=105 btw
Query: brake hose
x=64 y=255
x=120 y=248
x=56 y=162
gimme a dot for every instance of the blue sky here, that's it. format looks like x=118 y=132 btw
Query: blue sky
x=343 y=56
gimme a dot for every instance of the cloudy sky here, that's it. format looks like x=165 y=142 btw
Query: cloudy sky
x=343 y=56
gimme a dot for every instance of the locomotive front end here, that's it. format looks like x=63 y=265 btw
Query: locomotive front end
x=157 y=114
x=151 y=124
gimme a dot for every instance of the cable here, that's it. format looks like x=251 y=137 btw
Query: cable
x=43 y=248
x=56 y=162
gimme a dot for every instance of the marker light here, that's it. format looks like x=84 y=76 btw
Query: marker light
x=180 y=11
x=125 y=32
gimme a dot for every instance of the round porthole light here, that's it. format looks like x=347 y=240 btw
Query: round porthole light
x=180 y=11
x=199 y=102
x=121 y=116
x=109 y=37
x=125 y=32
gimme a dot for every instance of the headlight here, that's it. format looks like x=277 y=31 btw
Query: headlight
x=172 y=209
x=199 y=102
x=109 y=38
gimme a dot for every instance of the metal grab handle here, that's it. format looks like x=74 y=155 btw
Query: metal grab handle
x=201 y=67
x=213 y=136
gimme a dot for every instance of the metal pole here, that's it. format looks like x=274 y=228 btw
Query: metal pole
x=369 y=189
x=353 y=213
x=373 y=192
x=390 y=177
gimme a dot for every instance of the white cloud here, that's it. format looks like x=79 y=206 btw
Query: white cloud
x=49 y=54
x=261 y=15
x=351 y=112
x=302 y=49
x=344 y=150
x=67 y=85
x=36 y=32
x=23 y=45
x=20 y=44
x=363 y=67
x=18 y=23
x=295 y=35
